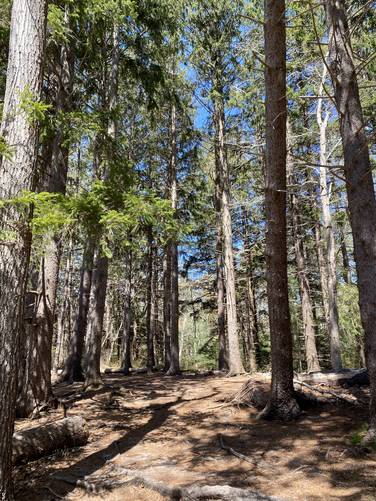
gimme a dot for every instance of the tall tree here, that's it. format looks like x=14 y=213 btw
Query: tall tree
x=330 y=276
x=282 y=402
x=19 y=132
x=359 y=180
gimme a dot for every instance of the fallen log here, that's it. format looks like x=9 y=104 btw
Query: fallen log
x=181 y=493
x=329 y=378
x=40 y=441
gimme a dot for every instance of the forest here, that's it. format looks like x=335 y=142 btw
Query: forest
x=187 y=250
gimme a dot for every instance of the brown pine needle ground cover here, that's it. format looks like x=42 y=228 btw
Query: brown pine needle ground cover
x=183 y=431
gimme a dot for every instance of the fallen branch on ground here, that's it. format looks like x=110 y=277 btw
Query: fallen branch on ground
x=186 y=493
x=324 y=391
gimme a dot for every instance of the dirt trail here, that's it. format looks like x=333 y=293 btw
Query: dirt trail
x=170 y=428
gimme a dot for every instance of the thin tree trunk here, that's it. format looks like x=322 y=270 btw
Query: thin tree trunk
x=333 y=319
x=126 y=348
x=359 y=181
x=150 y=309
x=235 y=363
x=64 y=332
x=311 y=356
x=282 y=403
x=73 y=370
x=251 y=330
x=174 y=367
x=167 y=306
x=220 y=280
x=17 y=173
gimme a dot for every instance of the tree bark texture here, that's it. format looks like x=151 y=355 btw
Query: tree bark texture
x=359 y=181
x=235 y=364
x=282 y=403
x=126 y=343
x=17 y=173
x=34 y=443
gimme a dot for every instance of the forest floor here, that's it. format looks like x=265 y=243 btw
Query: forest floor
x=171 y=428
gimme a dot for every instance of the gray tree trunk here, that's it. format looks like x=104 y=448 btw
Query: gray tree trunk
x=24 y=74
x=150 y=300
x=359 y=181
x=282 y=403
x=331 y=276
x=235 y=364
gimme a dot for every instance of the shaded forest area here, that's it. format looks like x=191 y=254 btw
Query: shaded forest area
x=187 y=249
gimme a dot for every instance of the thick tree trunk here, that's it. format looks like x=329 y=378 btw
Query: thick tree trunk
x=17 y=173
x=331 y=287
x=34 y=443
x=359 y=181
x=174 y=367
x=312 y=359
x=282 y=403
x=95 y=322
x=73 y=370
x=235 y=364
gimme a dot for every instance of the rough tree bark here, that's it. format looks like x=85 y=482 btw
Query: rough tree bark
x=312 y=359
x=31 y=444
x=282 y=403
x=17 y=173
x=331 y=267
x=235 y=364
x=359 y=181
x=92 y=363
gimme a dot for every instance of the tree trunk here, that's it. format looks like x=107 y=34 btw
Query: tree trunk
x=312 y=359
x=359 y=181
x=126 y=348
x=220 y=279
x=150 y=300
x=333 y=319
x=93 y=377
x=166 y=307
x=34 y=443
x=235 y=364
x=73 y=370
x=282 y=402
x=174 y=367
x=251 y=330
x=64 y=321
x=17 y=173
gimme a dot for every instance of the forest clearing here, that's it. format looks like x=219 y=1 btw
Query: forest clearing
x=170 y=430
x=187 y=250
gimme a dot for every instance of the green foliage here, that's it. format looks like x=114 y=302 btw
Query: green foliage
x=35 y=110
x=351 y=326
